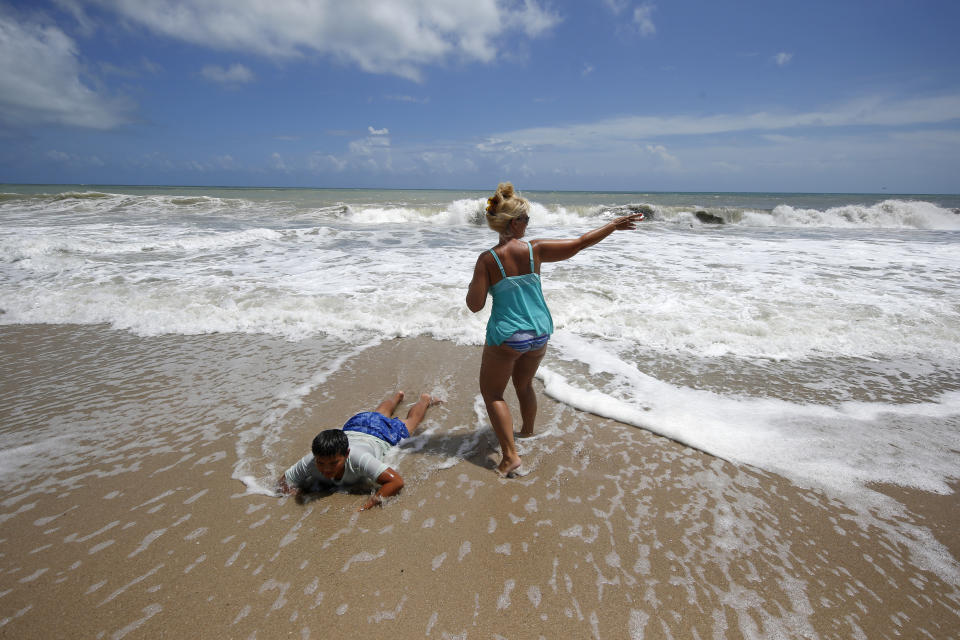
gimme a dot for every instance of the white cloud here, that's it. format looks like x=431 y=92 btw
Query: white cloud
x=778 y=138
x=899 y=143
x=150 y=66
x=372 y=153
x=406 y=98
x=438 y=162
x=376 y=154
x=630 y=129
x=630 y=154
x=40 y=81
x=131 y=70
x=85 y=25
x=641 y=16
x=324 y=162
x=397 y=37
x=782 y=58
x=587 y=69
x=660 y=152
x=276 y=162
x=617 y=6
x=73 y=159
x=225 y=162
x=502 y=146
x=124 y=72
x=236 y=74
x=938 y=137
x=368 y=146
x=532 y=18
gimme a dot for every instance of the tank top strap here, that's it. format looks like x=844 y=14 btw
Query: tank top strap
x=494 y=254
x=530 y=246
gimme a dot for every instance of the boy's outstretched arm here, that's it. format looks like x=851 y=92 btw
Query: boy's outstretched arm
x=390 y=484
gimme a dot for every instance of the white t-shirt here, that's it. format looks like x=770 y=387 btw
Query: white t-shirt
x=364 y=462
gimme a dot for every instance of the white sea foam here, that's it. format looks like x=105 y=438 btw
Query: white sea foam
x=843 y=447
x=744 y=295
x=655 y=327
x=889 y=214
x=503 y=601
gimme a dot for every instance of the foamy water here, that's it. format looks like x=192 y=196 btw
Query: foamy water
x=813 y=336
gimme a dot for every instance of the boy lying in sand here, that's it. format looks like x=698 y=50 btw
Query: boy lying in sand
x=355 y=453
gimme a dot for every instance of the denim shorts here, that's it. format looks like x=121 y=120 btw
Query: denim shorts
x=524 y=341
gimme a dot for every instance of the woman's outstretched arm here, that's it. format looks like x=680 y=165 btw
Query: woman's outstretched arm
x=557 y=250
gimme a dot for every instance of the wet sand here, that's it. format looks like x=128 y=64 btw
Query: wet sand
x=613 y=533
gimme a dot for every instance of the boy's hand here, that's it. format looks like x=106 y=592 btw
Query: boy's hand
x=375 y=501
x=390 y=484
x=286 y=489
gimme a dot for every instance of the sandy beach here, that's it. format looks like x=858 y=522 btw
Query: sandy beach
x=613 y=533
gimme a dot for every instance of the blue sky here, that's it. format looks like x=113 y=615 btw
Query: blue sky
x=681 y=95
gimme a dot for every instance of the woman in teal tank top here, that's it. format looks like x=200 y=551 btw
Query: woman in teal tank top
x=520 y=323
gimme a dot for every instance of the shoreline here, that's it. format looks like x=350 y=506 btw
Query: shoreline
x=615 y=532
x=932 y=510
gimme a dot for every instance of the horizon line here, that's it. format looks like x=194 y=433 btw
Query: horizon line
x=485 y=189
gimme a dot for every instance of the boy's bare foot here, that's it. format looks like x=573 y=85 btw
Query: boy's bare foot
x=389 y=406
x=429 y=399
x=418 y=410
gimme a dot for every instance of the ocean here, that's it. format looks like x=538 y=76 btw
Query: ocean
x=815 y=336
x=802 y=349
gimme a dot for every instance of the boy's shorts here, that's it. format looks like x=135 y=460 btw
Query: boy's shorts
x=392 y=430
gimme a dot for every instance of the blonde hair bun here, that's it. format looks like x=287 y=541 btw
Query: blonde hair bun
x=504 y=206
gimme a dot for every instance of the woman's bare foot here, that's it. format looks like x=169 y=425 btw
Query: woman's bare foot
x=526 y=434
x=508 y=466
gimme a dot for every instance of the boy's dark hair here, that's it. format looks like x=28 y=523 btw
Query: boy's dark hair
x=332 y=442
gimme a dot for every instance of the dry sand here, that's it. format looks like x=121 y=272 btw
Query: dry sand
x=614 y=533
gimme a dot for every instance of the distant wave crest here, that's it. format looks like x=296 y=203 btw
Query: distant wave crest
x=887 y=214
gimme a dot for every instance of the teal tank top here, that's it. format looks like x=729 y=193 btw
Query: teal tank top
x=518 y=305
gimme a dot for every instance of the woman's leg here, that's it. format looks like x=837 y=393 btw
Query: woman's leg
x=496 y=367
x=523 y=372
